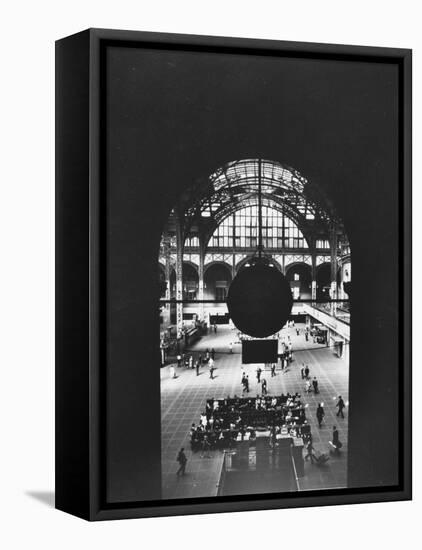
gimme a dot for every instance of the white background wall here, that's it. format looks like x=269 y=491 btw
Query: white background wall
x=28 y=31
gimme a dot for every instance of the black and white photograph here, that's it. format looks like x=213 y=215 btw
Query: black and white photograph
x=209 y=287
x=255 y=371
x=252 y=225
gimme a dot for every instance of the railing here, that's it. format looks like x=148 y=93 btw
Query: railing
x=327 y=318
x=221 y=479
x=295 y=472
x=340 y=310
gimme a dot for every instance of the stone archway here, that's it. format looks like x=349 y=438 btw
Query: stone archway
x=299 y=276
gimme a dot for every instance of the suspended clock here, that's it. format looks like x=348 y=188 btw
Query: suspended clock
x=259 y=298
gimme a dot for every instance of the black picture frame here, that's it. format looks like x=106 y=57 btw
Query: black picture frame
x=82 y=461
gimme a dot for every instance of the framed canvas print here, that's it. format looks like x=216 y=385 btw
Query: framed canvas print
x=233 y=274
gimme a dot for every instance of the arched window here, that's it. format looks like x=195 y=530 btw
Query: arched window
x=192 y=241
x=240 y=230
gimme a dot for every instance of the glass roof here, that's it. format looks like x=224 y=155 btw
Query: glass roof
x=246 y=171
x=236 y=184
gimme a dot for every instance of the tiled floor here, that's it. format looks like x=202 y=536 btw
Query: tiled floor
x=183 y=399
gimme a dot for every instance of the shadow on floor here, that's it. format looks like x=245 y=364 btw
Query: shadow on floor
x=45 y=497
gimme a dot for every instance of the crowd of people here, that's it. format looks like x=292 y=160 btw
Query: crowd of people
x=227 y=421
x=224 y=422
x=198 y=362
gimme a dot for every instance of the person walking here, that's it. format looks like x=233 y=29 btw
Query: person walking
x=182 y=460
x=247 y=383
x=212 y=354
x=335 y=436
x=306 y=372
x=272 y=370
x=340 y=405
x=244 y=382
x=336 y=441
x=211 y=363
x=310 y=454
x=197 y=368
x=258 y=374
x=264 y=386
x=320 y=414
x=205 y=447
x=315 y=385
x=302 y=372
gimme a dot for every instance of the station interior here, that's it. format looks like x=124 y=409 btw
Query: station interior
x=253 y=414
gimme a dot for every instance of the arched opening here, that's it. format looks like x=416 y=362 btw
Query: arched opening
x=246 y=262
x=300 y=278
x=217 y=279
x=162 y=281
x=172 y=284
x=189 y=282
x=323 y=281
x=345 y=275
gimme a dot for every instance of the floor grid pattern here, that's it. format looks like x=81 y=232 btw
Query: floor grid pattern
x=183 y=399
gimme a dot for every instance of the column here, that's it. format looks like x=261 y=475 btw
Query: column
x=201 y=277
x=313 y=277
x=179 y=275
x=234 y=249
x=340 y=292
x=333 y=249
x=167 y=296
